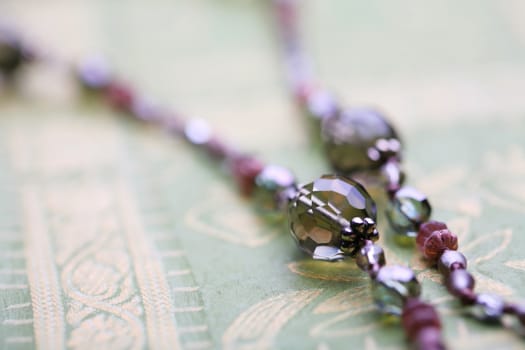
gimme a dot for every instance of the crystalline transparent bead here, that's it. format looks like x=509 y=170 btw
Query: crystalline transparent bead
x=408 y=209
x=392 y=286
x=349 y=136
x=322 y=208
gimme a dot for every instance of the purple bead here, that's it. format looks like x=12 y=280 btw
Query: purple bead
x=458 y=281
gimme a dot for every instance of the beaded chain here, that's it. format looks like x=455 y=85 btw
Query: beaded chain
x=330 y=218
x=361 y=139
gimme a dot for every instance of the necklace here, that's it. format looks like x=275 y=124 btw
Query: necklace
x=362 y=140
x=252 y=177
x=330 y=218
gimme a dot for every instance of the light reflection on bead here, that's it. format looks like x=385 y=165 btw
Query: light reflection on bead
x=197 y=131
x=449 y=258
x=370 y=256
x=392 y=286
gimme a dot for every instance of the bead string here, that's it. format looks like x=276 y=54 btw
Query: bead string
x=395 y=288
x=436 y=243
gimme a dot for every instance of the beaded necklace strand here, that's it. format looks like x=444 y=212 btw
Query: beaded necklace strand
x=362 y=140
x=330 y=218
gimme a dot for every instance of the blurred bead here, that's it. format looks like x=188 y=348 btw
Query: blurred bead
x=459 y=280
x=393 y=175
x=11 y=52
x=197 y=131
x=321 y=104
x=426 y=229
x=269 y=184
x=438 y=242
x=417 y=316
x=120 y=96
x=429 y=339
x=349 y=135
x=217 y=149
x=408 y=209
x=451 y=258
x=370 y=256
x=323 y=208
x=245 y=169
x=488 y=307
x=392 y=286
x=93 y=73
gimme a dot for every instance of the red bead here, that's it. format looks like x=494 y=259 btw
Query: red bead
x=426 y=229
x=438 y=242
x=120 y=96
x=417 y=316
x=245 y=169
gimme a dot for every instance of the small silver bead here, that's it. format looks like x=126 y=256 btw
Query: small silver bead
x=197 y=131
x=370 y=256
x=450 y=257
x=488 y=307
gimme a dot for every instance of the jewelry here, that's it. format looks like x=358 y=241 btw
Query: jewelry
x=362 y=140
x=330 y=218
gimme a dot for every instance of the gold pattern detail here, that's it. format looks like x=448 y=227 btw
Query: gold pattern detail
x=352 y=298
x=222 y=216
x=516 y=264
x=46 y=296
x=257 y=327
x=343 y=271
x=155 y=291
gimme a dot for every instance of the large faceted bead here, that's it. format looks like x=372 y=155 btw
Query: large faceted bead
x=322 y=208
x=358 y=139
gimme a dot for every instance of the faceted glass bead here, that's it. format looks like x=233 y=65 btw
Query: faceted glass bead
x=270 y=184
x=350 y=134
x=408 y=209
x=392 y=286
x=322 y=208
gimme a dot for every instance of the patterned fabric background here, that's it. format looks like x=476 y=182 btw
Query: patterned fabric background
x=113 y=236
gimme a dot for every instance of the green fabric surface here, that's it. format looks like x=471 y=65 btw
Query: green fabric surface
x=114 y=236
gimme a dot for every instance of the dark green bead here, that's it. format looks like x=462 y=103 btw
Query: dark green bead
x=11 y=52
x=392 y=286
x=323 y=209
x=408 y=209
x=358 y=139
